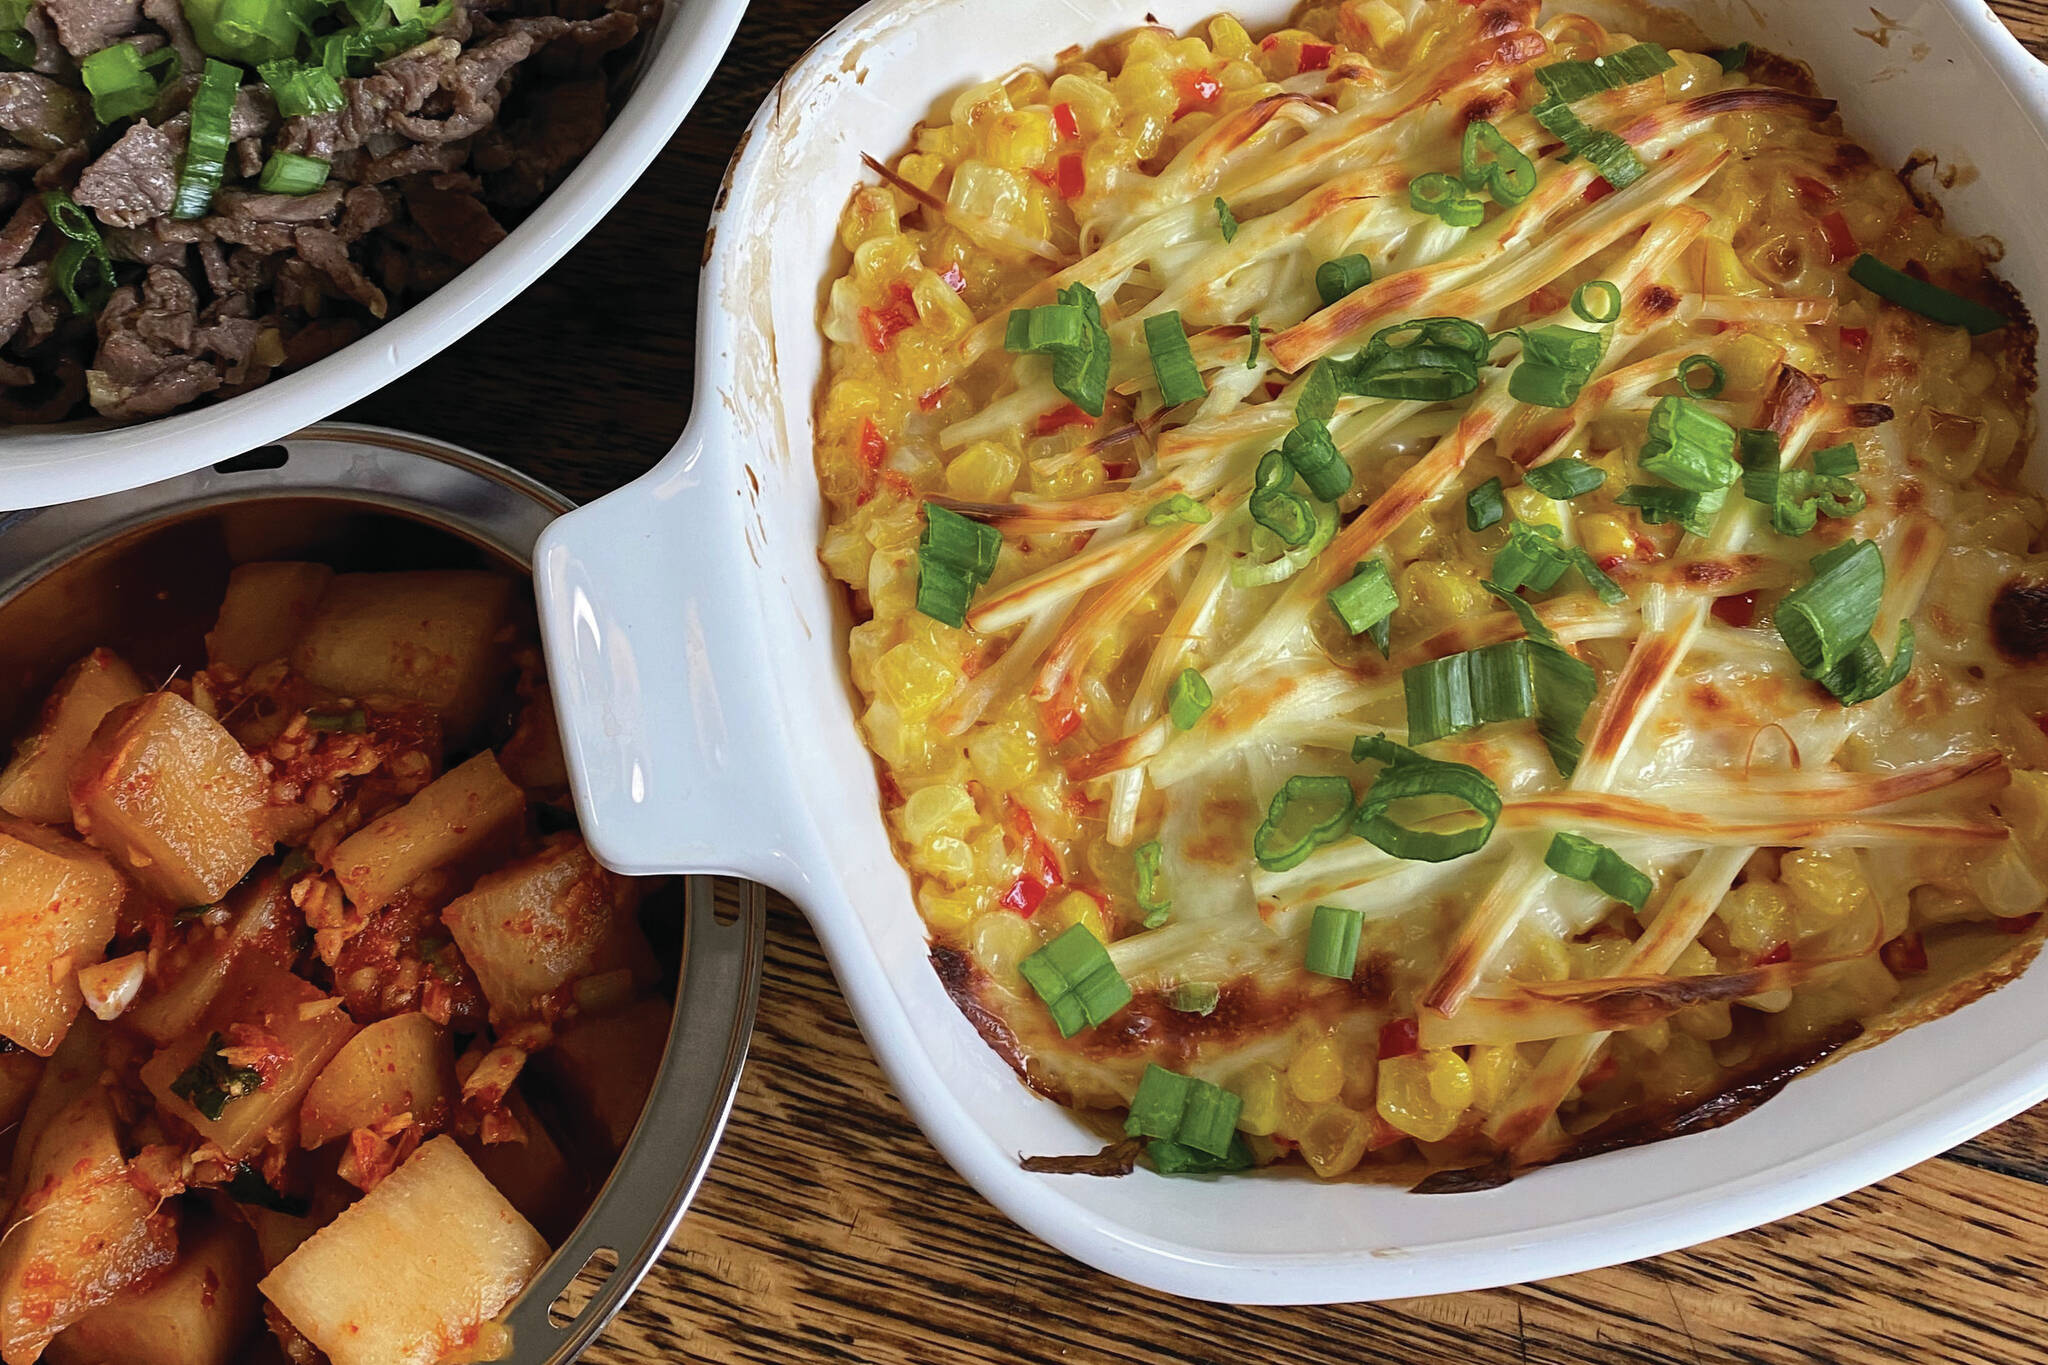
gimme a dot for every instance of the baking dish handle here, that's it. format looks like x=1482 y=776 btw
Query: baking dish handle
x=656 y=657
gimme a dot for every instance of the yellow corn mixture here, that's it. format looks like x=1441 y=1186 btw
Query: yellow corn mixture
x=1813 y=864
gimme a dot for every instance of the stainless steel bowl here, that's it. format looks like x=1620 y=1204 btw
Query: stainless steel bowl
x=73 y=575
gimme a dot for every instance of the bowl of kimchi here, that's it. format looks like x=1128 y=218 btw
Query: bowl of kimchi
x=319 y=806
x=712 y=719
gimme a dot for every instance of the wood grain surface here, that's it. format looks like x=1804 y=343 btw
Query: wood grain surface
x=830 y=1231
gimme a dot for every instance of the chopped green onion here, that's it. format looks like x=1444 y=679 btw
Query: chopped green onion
x=1488 y=161
x=1822 y=621
x=1195 y=997
x=955 y=555
x=1178 y=508
x=1423 y=374
x=83 y=269
x=1450 y=333
x=249 y=31
x=1285 y=513
x=1532 y=558
x=1659 y=505
x=1596 y=578
x=1928 y=300
x=1463 y=691
x=1333 y=936
x=1864 y=675
x=1171 y=1158
x=1565 y=685
x=966 y=544
x=1145 y=860
x=1798 y=498
x=1188 y=698
x=1076 y=979
x=1185 y=1111
x=1585 y=861
x=1290 y=563
x=1439 y=195
x=1226 y=221
x=1072 y=333
x=1251 y=359
x=1732 y=59
x=1345 y=275
x=1306 y=813
x=1836 y=461
x=1273 y=472
x=1317 y=401
x=212 y=1082
x=352 y=722
x=1173 y=361
x=1689 y=447
x=1485 y=505
x=1613 y=158
x=117 y=77
x=1409 y=776
x=1597 y=301
x=1314 y=455
x=301 y=90
x=1564 y=478
x=1556 y=363
x=1716 y=381
x=290 y=173
x=1366 y=598
x=206 y=145
x=1569 y=81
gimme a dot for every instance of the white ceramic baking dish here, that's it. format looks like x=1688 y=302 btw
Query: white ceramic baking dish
x=47 y=465
x=697 y=659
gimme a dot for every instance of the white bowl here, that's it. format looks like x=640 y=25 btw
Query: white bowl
x=699 y=671
x=62 y=464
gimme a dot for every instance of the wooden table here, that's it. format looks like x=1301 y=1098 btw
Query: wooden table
x=829 y=1229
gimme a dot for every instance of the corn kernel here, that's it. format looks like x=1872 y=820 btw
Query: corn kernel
x=1605 y=536
x=1598 y=957
x=1075 y=907
x=1442 y=592
x=1939 y=905
x=1316 y=1074
x=984 y=472
x=1385 y=24
x=937 y=812
x=1333 y=1141
x=1496 y=1069
x=1228 y=39
x=1259 y=1087
x=999 y=940
x=1824 y=884
x=914 y=682
x=1756 y=917
x=869 y=214
x=950 y=911
x=978 y=104
x=1424 y=1094
x=1533 y=507
x=1003 y=754
x=949 y=859
x=1019 y=140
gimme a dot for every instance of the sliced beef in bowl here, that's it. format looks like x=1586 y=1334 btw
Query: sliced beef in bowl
x=201 y=194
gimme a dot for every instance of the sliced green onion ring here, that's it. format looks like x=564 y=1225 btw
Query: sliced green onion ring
x=1343 y=276
x=1485 y=505
x=1582 y=860
x=1366 y=598
x=1333 y=935
x=1488 y=161
x=1173 y=360
x=1564 y=478
x=1306 y=813
x=1598 y=301
x=1408 y=776
x=1716 y=381
x=1188 y=699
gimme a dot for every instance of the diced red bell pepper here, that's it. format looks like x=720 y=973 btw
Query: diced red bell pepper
x=873 y=450
x=1598 y=190
x=1316 y=56
x=1781 y=953
x=1834 y=230
x=882 y=324
x=1025 y=895
x=1905 y=955
x=1855 y=338
x=931 y=398
x=1737 y=609
x=1061 y=418
x=1064 y=123
x=1199 y=91
x=1399 y=1038
x=1041 y=872
x=1814 y=190
x=1072 y=177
